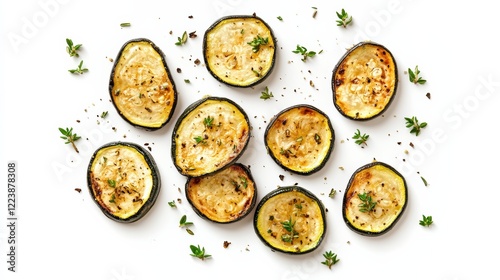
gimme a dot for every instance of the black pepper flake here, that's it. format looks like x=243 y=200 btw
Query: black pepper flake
x=197 y=61
x=411 y=145
x=282 y=177
x=179 y=70
x=428 y=95
x=192 y=34
x=78 y=190
x=226 y=244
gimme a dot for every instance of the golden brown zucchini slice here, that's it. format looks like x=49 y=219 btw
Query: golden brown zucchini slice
x=239 y=50
x=210 y=134
x=141 y=87
x=224 y=196
x=300 y=139
x=123 y=180
x=364 y=81
x=375 y=199
x=290 y=220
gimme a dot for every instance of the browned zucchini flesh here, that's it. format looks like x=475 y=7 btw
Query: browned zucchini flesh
x=364 y=81
x=375 y=199
x=225 y=196
x=290 y=220
x=300 y=139
x=239 y=51
x=210 y=134
x=123 y=180
x=141 y=87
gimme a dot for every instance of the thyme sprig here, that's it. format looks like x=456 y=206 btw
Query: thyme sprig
x=367 y=204
x=330 y=259
x=414 y=76
x=79 y=69
x=266 y=94
x=198 y=252
x=71 y=48
x=304 y=52
x=69 y=137
x=359 y=138
x=257 y=42
x=415 y=125
x=344 y=18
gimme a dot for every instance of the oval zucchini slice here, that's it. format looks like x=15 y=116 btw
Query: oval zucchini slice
x=375 y=198
x=225 y=196
x=290 y=220
x=300 y=139
x=141 y=88
x=364 y=81
x=124 y=181
x=209 y=135
x=239 y=51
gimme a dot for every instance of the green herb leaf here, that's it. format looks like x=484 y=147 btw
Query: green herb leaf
x=71 y=48
x=200 y=140
x=304 y=52
x=367 y=204
x=69 y=137
x=280 y=18
x=125 y=24
x=426 y=221
x=332 y=193
x=257 y=42
x=112 y=183
x=425 y=181
x=182 y=40
x=266 y=94
x=79 y=69
x=344 y=18
x=330 y=259
x=360 y=139
x=414 y=124
x=415 y=76
x=198 y=252
x=183 y=222
x=208 y=122
x=172 y=204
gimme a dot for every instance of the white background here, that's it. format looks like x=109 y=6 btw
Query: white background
x=61 y=234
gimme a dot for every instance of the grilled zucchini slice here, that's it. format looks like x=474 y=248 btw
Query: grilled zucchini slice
x=375 y=199
x=225 y=196
x=290 y=220
x=239 y=51
x=141 y=87
x=123 y=180
x=300 y=139
x=210 y=134
x=364 y=81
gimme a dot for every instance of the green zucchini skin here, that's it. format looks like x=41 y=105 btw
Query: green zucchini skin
x=279 y=204
x=232 y=186
x=96 y=191
x=156 y=88
x=376 y=83
x=240 y=42
x=198 y=150
x=366 y=179
x=300 y=139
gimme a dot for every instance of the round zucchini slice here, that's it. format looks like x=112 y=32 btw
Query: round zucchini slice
x=210 y=134
x=364 y=81
x=225 y=196
x=124 y=181
x=375 y=199
x=290 y=220
x=141 y=87
x=300 y=139
x=239 y=51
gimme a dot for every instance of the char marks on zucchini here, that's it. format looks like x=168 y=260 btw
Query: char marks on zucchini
x=123 y=180
x=364 y=81
x=239 y=51
x=375 y=199
x=210 y=134
x=141 y=87
x=300 y=139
